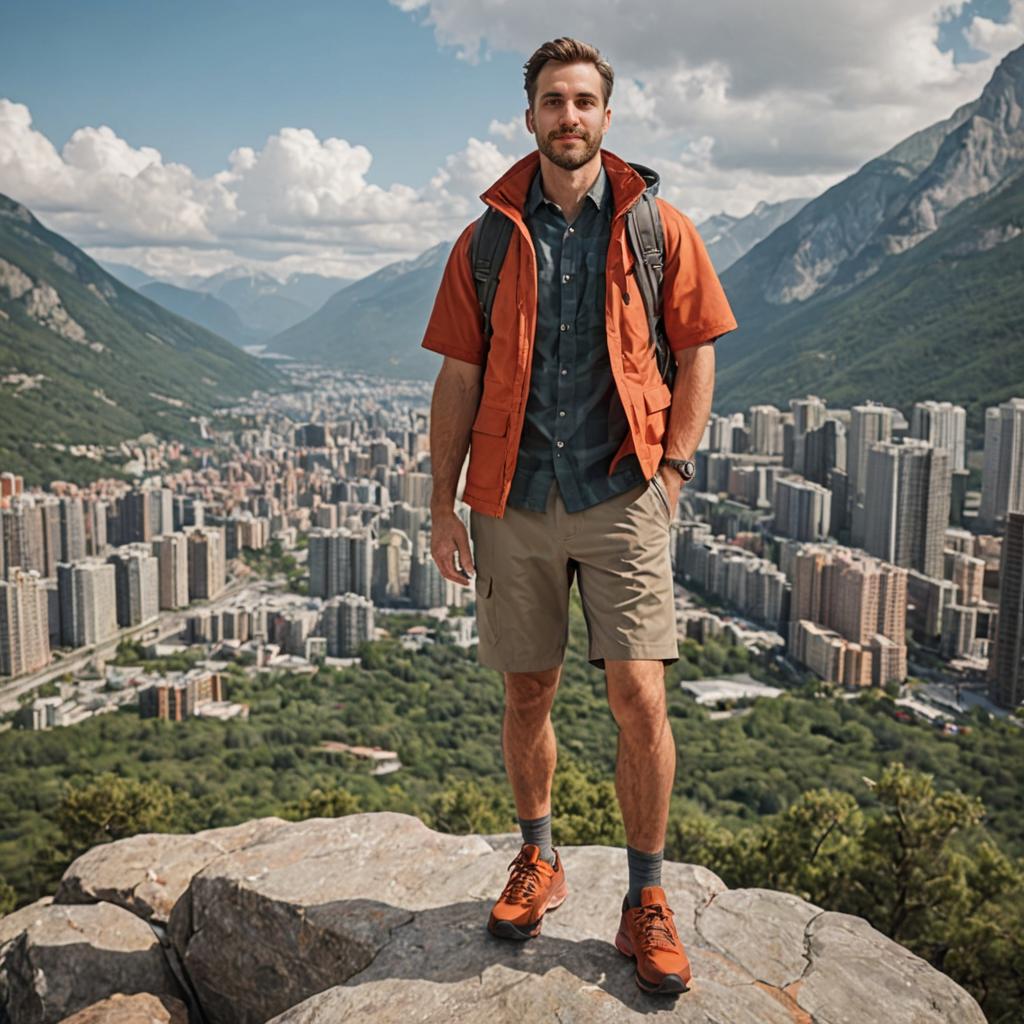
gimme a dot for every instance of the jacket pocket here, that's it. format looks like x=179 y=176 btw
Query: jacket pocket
x=487 y=446
x=657 y=404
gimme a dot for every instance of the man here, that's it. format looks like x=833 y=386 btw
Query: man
x=568 y=429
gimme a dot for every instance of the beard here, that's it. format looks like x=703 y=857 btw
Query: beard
x=575 y=156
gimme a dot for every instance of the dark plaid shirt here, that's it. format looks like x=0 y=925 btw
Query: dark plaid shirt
x=575 y=422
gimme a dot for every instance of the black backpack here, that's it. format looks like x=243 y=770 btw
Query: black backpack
x=493 y=231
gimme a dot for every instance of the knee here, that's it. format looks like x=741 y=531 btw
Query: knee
x=531 y=694
x=638 y=706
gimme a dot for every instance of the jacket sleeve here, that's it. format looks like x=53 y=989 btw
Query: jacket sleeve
x=694 y=306
x=454 y=328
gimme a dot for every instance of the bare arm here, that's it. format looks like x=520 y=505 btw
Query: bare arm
x=691 y=400
x=453 y=408
x=692 y=393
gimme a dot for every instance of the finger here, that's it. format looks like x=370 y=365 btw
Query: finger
x=465 y=557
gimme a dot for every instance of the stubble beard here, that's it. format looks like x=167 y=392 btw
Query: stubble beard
x=574 y=157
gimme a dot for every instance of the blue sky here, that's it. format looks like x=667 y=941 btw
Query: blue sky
x=196 y=78
x=364 y=132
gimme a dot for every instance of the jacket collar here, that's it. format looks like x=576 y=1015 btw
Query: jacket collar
x=508 y=194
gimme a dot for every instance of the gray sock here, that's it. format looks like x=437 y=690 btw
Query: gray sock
x=538 y=832
x=644 y=869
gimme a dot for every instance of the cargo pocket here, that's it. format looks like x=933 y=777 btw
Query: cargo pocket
x=657 y=402
x=487 y=446
x=486 y=617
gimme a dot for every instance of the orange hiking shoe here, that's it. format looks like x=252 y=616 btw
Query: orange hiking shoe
x=534 y=888
x=649 y=934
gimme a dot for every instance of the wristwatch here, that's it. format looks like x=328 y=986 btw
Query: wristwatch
x=686 y=468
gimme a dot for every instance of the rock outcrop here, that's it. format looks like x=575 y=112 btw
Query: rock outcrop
x=374 y=917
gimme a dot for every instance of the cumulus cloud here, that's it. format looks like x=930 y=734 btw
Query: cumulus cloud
x=775 y=96
x=733 y=103
x=298 y=203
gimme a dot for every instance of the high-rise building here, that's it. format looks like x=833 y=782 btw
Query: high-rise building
x=24 y=628
x=330 y=562
x=803 y=510
x=869 y=424
x=765 y=430
x=171 y=552
x=942 y=425
x=1007 y=674
x=1002 y=478
x=824 y=451
x=72 y=530
x=21 y=533
x=136 y=518
x=347 y=623
x=861 y=599
x=207 y=562
x=808 y=414
x=88 y=602
x=907 y=504
x=137 y=584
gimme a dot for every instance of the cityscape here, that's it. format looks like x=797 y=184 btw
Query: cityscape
x=256 y=765
x=849 y=543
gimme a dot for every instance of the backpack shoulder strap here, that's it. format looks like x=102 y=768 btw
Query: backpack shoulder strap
x=647 y=240
x=487 y=247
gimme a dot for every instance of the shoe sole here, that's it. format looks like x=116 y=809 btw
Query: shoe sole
x=508 y=930
x=670 y=984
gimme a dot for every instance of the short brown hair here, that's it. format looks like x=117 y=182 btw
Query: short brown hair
x=567 y=51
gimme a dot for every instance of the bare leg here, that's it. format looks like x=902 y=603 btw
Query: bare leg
x=646 y=760
x=528 y=739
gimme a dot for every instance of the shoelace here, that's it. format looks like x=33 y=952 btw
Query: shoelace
x=654 y=927
x=523 y=883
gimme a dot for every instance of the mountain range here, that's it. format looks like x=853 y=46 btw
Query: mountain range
x=86 y=359
x=903 y=282
x=900 y=283
x=245 y=307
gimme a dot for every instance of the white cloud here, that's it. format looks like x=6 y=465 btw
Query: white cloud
x=788 y=93
x=732 y=103
x=298 y=203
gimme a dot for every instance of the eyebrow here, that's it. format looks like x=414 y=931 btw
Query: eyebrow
x=579 y=95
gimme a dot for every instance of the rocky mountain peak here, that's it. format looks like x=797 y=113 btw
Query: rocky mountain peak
x=376 y=918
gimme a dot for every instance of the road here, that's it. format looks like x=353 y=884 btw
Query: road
x=166 y=624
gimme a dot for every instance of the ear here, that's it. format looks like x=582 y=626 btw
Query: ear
x=607 y=118
x=529 y=121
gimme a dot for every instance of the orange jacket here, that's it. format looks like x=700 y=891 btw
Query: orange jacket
x=695 y=310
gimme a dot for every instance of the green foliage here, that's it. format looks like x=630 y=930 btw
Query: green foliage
x=101 y=397
x=467 y=808
x=110 y=807
x=324 y=803
x=8 y=898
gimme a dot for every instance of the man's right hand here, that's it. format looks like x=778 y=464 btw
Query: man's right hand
x=448 y=539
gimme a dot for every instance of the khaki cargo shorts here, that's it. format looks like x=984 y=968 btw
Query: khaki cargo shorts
x=618 y=550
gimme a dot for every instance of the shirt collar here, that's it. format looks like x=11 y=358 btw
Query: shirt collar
x=597 y=192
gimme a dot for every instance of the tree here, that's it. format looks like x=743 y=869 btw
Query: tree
x=321 y=803
x=465 y=808
x=110 y=807
x=7 y=898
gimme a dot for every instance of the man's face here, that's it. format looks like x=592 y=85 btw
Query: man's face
x=569 y=118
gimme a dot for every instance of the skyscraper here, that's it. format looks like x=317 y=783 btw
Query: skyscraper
x=172 y=559
x=869 y=424
x=137 y=584
x=1002 y=479
x=24 y=629
x=88 y=602
x=907 y=504
x=207 y=562
x=1007 y=682
x=802 y=509
x=942 y=425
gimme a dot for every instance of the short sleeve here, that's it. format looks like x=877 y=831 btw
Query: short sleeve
x=454 y=328
x=694 y=306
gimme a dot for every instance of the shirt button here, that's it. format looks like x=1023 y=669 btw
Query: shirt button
x=563 y=327
x=560 y=444
x=564 y=371
x=566 y=278
x=571 y=230
x=561 y=412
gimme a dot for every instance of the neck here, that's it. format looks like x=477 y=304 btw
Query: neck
x=568 y=188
